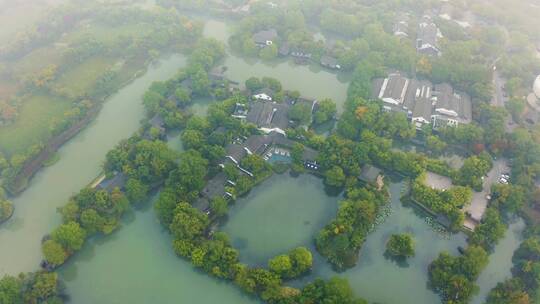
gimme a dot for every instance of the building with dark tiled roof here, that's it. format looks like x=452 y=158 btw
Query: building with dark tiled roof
x=330 y=62
x=427 y=38
x=422 y=102
x=261 y=144
x=269 y=116
x=117 y=181
x=265 y=38
x=451 y=107
x=371 y=175
x=401 y=27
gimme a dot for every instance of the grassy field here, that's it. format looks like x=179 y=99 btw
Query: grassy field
x=37 y=60
x=104 y=33
x=37 y=112
x=7 y=88
x=32 y=125
x=79 y=79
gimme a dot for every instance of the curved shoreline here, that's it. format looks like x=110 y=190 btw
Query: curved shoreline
x=34 y=164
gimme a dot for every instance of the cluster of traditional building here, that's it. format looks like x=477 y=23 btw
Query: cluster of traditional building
x=423 y=102
x=269 y=37
x=427 y=34
x=272 y=119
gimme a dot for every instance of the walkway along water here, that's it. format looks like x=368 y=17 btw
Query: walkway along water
x=80 y=162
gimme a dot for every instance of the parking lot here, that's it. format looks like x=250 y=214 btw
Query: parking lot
x=479 y=200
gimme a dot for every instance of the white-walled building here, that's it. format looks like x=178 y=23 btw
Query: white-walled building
x=423 y=102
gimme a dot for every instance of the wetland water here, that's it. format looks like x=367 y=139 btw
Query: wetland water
x=80 y=162
x=137 y=263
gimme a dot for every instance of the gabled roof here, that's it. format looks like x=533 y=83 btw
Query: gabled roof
x=237 y=152
x=392 y=89
x=452 y=104
x=369 y=174
x=266 y=91
x=262 y=37
x=117 y=181
x=269 y=115
x=427 y=35
x=329 y=61
x=215 y=187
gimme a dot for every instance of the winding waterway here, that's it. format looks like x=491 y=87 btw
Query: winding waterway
x=136 y=264
x=80 y=162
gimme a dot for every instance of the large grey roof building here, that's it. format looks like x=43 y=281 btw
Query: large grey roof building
x=421 y=101
x=269 y=116
x=451 y=107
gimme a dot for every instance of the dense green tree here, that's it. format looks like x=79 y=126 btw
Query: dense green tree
x=254 y=84
x=70 y=235
x=281 y=265
x=297 y=262
x=182 y=96
x=334 y=291
x=527 y=264
x=269 y=52
x=188 y=223
x=91 y=221
x=509 y=291
x=6 y=209
x=326 y=111
x=435 y=144
x=400 y=246
x=136 y=191
x=54 y=253
x=453 y=277
x=219 y=206
x=490 y=230
x=300 y=113
x=10 y=290
x=188 y=178
x=335 y=177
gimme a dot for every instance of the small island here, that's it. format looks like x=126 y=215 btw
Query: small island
x=6 y=211
x=400 y=246
x=6 y=207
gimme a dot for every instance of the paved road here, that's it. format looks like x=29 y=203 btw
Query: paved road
x=498 y=99
x=479 y=202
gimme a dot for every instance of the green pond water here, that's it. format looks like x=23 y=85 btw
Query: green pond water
x=137 y=265
x=282 y=213
x=500 y=261
x=80 y=162
x=287 y=212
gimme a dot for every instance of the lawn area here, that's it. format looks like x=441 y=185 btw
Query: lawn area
x=32 y=125
x=7 y=88
x=79 y=79
x=104 y=33
x=37 y=60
